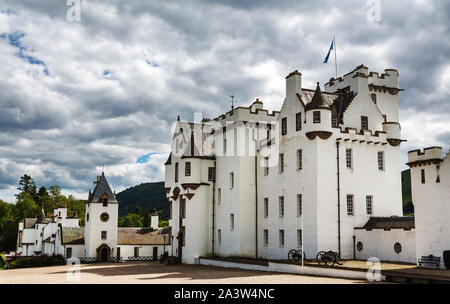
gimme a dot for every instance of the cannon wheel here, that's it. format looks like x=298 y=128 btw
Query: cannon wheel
x=293 y=255
x=322 y=258
x=332 y=258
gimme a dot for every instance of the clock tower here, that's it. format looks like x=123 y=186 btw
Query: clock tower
x=100 y=232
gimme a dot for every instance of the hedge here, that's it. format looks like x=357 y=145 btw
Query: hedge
x=38 y=261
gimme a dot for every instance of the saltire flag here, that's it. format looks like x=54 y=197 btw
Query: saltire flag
x=329 y=51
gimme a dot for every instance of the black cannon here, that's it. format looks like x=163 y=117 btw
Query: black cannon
x=295 y=255
x=328 y=258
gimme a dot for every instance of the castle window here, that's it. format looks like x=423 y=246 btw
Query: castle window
x=316 y=117
x=224 y=145
x=422 y=176
x=211 y=174
x=299 y=159
x=369 y=204
x=231 y=180
x=136 y=252
x=266 y=166
x=183 y=208
x=231 y=221
x=104 y=233
x=298 y=121
x=176 y=172
x=68 y=252
x=266 y=207
x=104 y=202
x=281 y=163
x=381 y=160
x=187 y=169
x=299 y=204
x=350 y=204
x=281 y=206
x=219 y=236
x=219 y=196
x=334 y=121
x=170 y=210
x=87 y=217
x=364 y=123
x=374 y=98
x=348 y=156
x=269 y=128
x=299 y=238
x=183 y=236
x=281 y=236
x=284 y=126
x=266 y=237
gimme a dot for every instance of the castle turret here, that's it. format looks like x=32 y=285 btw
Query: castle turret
x=318 y=116
x=101 y=222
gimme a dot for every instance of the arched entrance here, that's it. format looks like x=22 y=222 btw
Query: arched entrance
x=103 y=253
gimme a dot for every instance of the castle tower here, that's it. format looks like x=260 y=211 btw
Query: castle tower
x=430 y=181
x=101 y=222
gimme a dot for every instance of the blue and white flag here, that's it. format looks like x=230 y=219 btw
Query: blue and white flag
x=329 y=51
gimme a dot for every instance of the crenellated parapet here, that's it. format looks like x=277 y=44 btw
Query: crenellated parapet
x=429 y=156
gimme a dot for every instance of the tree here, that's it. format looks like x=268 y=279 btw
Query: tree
x=132 y=220
x=147 y=221
x=27 y=185
x=25 y=207
x=138 y=210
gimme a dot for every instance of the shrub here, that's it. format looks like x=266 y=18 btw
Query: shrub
x=38 y=261
x=2 y=261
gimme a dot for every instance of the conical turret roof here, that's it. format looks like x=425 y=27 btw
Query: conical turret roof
x=318 y=101
x=102 y=188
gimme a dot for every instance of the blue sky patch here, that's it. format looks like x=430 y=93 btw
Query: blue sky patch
x=14 y=40
x=143 y=159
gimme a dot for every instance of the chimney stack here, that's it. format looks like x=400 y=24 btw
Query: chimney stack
x=293 y=84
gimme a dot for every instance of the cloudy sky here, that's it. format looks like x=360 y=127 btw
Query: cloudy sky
x=107 y=90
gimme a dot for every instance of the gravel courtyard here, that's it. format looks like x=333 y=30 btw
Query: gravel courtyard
x=153 y=273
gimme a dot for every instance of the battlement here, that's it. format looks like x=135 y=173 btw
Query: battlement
x=429 y=155
x=387 y=81
x=255 y=112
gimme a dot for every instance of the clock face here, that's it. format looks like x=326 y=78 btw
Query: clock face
x=104 y=217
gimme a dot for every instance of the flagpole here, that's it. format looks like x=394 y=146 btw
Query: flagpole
x=335 y=56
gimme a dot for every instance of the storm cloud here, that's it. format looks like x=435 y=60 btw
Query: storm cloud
x=75 y=96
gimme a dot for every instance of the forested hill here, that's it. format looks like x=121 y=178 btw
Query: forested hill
x=147 y=196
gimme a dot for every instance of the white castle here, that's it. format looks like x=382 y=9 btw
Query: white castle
x=99 y=240
x=323 y=173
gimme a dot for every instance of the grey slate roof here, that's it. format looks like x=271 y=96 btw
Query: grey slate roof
x=72 y=235
x=142 y=236
x=319 y=100
x=101 y=188
x=392 y=222
x=29 y=223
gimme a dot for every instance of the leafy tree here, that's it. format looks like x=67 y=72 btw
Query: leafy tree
x=55 y=194
x=147 y=219
x=27 y=185
x=25 y=207
x=132 y=220
x=138 y=210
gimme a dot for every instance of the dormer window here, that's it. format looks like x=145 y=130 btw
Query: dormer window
x=105 y=201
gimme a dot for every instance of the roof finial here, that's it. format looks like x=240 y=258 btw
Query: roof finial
x=103 y=169
x=232 y=101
